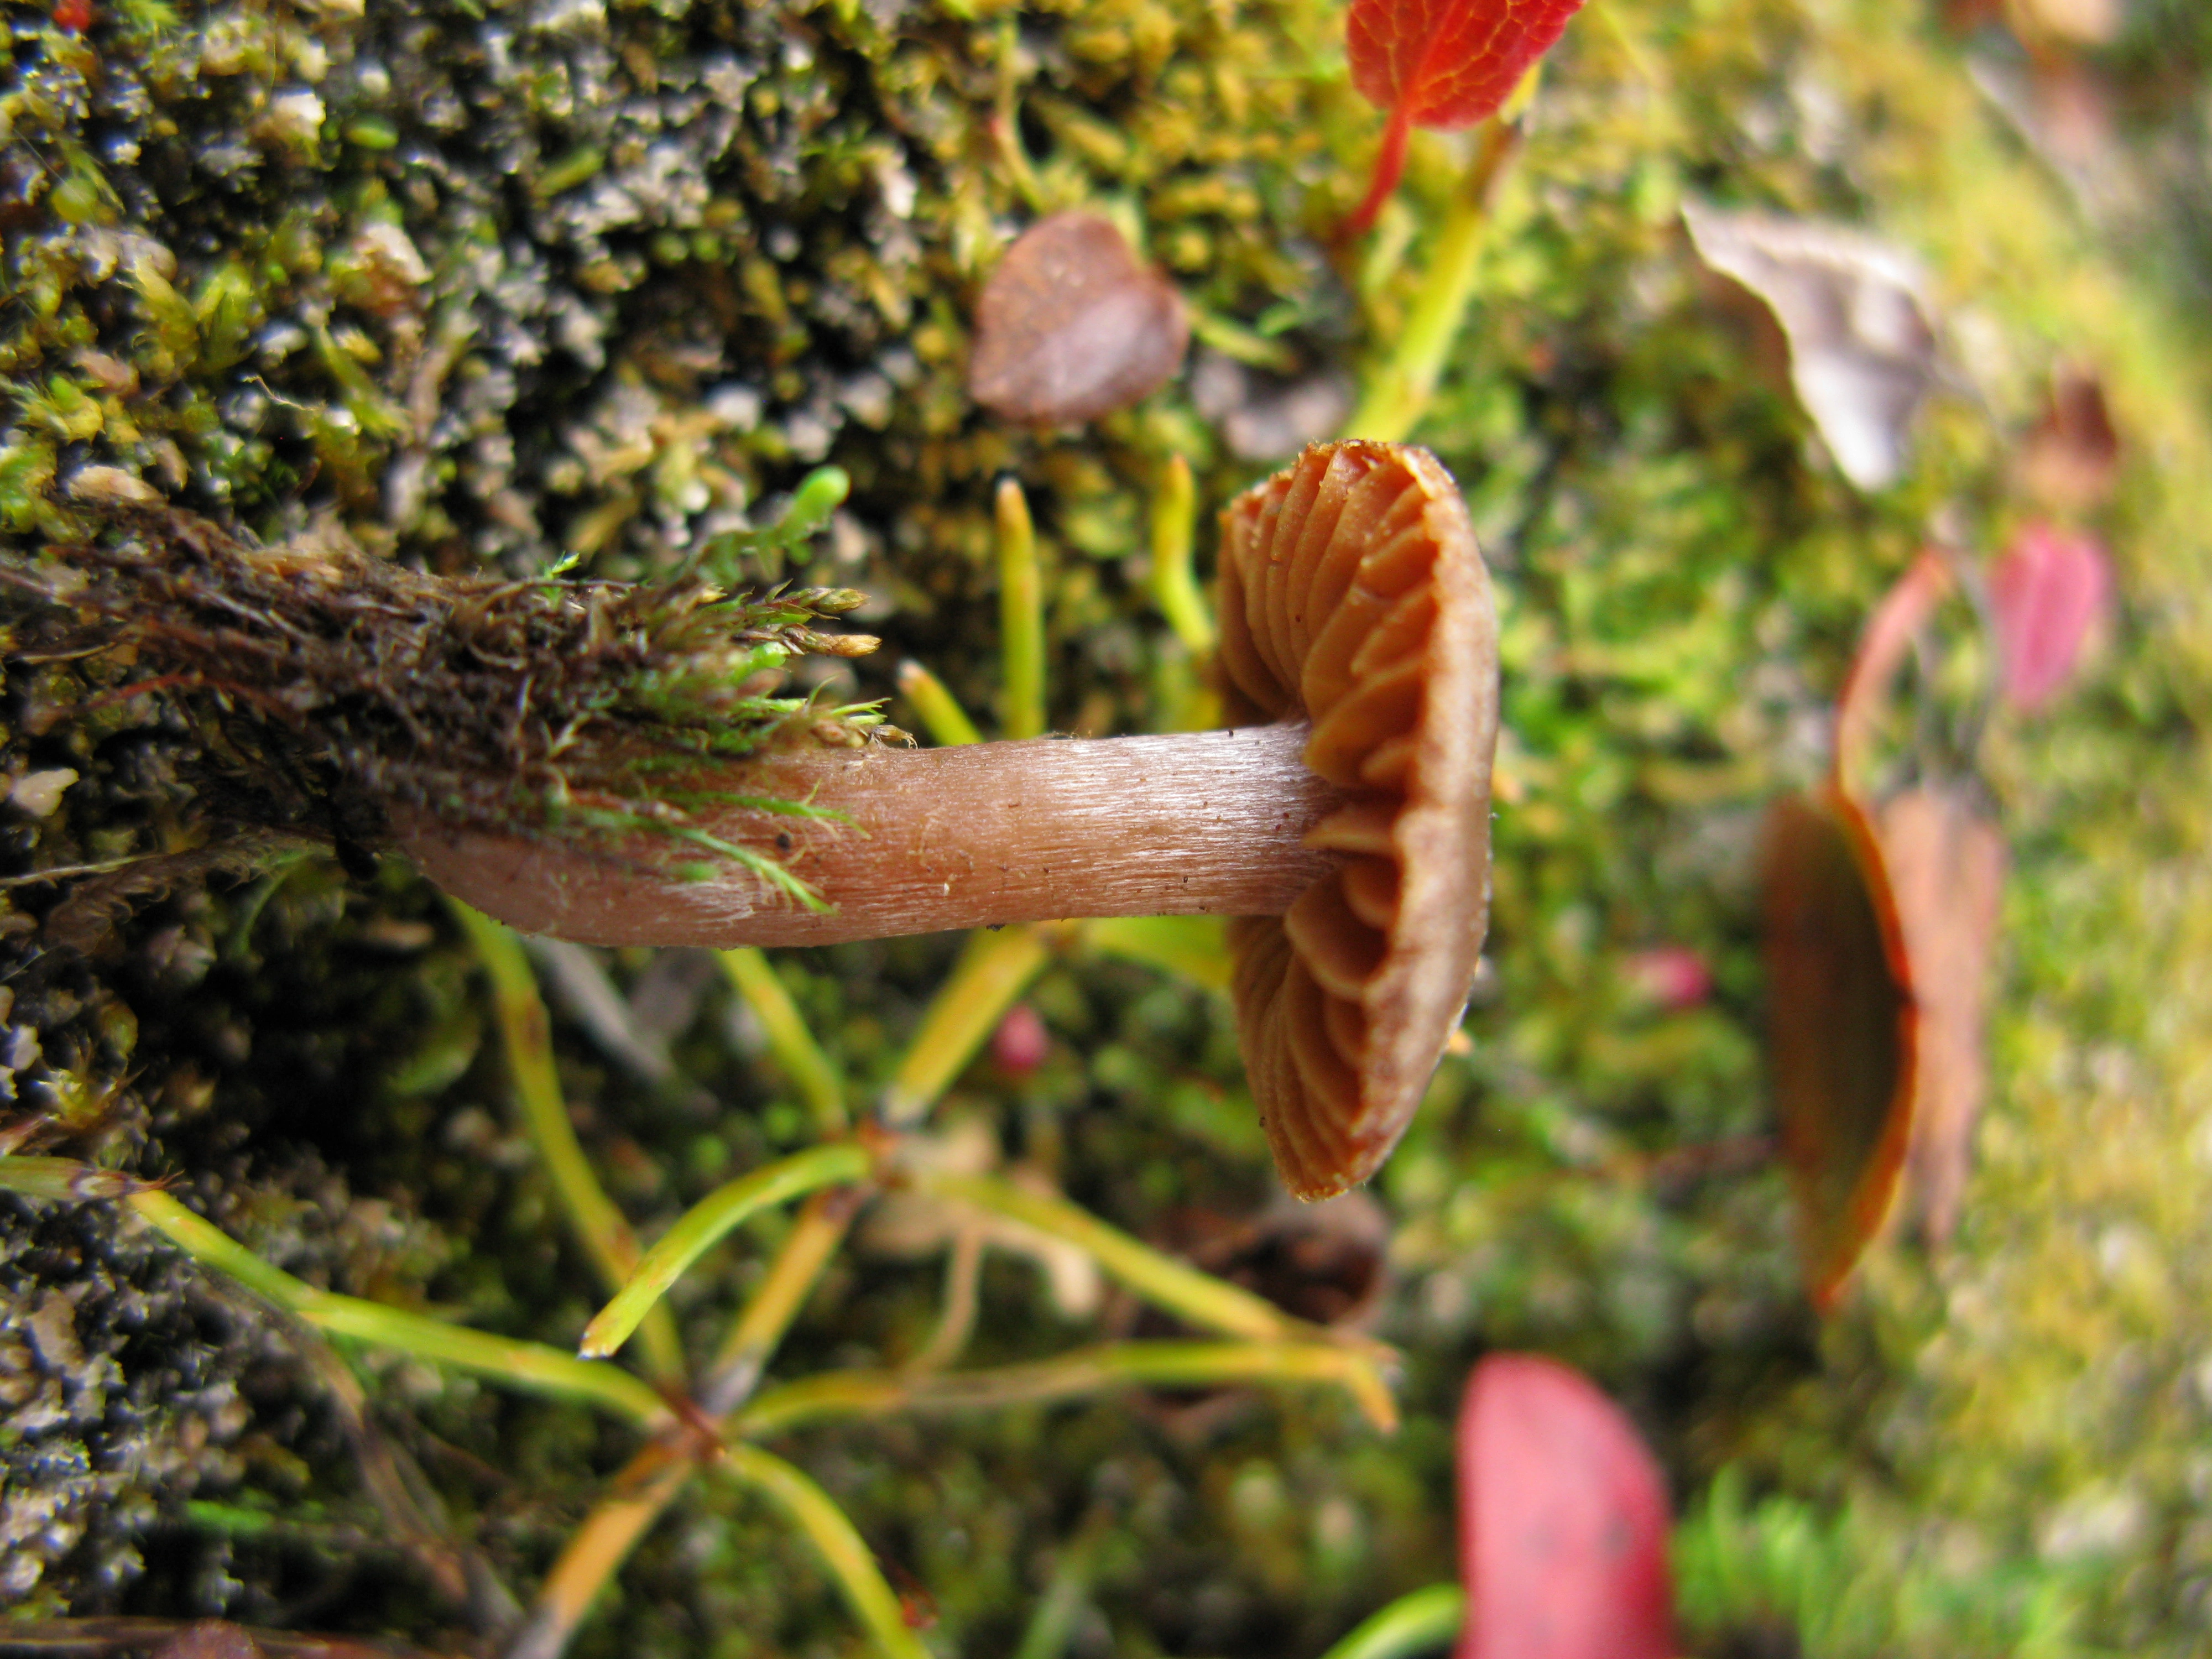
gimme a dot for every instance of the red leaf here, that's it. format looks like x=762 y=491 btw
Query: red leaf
x=1562 y=1520
x=1842 y=1028
x=2044 y=594
x=1441 y=64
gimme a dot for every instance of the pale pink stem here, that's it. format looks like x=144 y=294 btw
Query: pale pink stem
x=1196 y=824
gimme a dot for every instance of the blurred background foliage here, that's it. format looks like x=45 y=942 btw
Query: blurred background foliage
x=481 y=285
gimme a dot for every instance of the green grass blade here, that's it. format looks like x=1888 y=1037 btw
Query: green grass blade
x=994 y=971
x=706 y=1223
x=942 y=716
x=796 y=1052
x=1174 y=1286
x=529 y=1366
x=592 y=1216
x=1021 y=616
x=1420 y=1622
x=842 y=1549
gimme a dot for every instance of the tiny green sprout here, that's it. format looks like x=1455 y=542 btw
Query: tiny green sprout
x=819 y=497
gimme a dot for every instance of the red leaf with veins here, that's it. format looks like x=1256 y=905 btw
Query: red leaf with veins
x=1441 y=64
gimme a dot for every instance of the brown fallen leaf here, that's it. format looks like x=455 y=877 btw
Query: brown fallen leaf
x=1945 y=861
x=1841 y=1028
x=1073 y=325
x=1861 y=344
x=2072 y=457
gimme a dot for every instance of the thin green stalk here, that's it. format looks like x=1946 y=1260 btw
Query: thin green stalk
x=1021 y=617
x=1174 y=1286
x=64 y=1179
x=1079 y=1371
x=842 y=1549
x=796 y=1052
x=529 y=1366
x=942 y=716
x=993 y=972
x=1052 y=1625
x=592 y=1216
x=775 y=1301
x=651 y=1480
x=706 y=1223
x=1398 y=395
x=1415 y=1623
x=1175 y=585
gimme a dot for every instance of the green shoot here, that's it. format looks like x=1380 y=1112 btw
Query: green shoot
x=1173 y=1285
x=1175 y=586
x=819 y=496
x=1079 y=1371
x=1021 y=617
x=706 y=1223
x=1423 y=1621
x=592 y=1216
x=993 y=972
x=942 y=716
x=842 y=1549
x=804 y=1067
x=529 y=1366
x=1399 y=393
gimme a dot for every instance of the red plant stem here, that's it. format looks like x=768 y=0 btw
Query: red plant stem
x=1193 y=823
x=1389 y=168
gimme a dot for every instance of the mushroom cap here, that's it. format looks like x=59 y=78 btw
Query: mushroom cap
x=1352 y=595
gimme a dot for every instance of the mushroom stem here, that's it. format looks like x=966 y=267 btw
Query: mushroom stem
x=1191 y=823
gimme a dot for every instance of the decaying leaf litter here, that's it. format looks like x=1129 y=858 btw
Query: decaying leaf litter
x=1721 y=491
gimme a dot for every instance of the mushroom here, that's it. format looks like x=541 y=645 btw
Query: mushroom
x=1352 y=596
x=1343 y=820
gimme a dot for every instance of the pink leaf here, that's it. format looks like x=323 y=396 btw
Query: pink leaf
x=2044 y=594
x=1562 y=1520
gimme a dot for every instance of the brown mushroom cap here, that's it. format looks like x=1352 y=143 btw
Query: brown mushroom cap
x=1352 y=595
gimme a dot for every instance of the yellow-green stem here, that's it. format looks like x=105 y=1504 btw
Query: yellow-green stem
x=1021 y=617
x=1194 y=948
x=529 y=1366
x=1420 y=1622
x=651 y=1480
x=1079 y=1371
x=1175 y=583
x=1398 y=395
x=64 y=1179
x=592 y=1216
x=707 y=1223
x=842 y=1549
x=994 y=971
x=1176 y=1286
x=803 y=1064
x=941 y=715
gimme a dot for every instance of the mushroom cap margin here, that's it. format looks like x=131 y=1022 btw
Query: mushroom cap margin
x=1353 y=595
